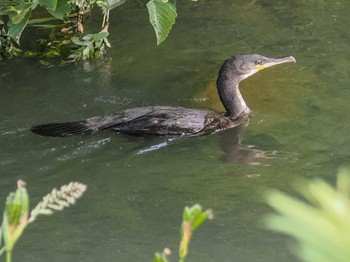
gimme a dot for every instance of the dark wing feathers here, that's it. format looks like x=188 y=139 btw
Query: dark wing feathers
x=61 y=129
x=157 y=120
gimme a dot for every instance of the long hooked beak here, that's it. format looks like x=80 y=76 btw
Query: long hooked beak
x=275 y=61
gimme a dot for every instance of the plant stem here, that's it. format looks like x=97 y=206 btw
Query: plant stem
x=48 y=19
x=8 y=256
x=2 y=251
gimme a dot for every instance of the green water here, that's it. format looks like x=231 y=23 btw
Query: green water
x=136 y=195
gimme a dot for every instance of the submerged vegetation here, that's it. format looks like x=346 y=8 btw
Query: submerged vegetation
x=16 y=214
x=65 y=22
x=320 y=222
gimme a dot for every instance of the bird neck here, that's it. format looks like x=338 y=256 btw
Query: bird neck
x=231 y=97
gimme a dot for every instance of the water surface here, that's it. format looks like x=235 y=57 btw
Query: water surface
x=136 y=195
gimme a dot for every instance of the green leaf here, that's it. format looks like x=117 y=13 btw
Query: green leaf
x=79 y=42
x=162 y=16
x=163 y=256
x=15 y=30
x=0 y=237
x=100 y=36
x=49 y=4
x=85 y=40
x=20 y=12
x=195 y=215
x=62 y=9
x=87 y=37
x=15 y=215
x=192 y=218
x=320 y=224
x=200 y=218
x=114 y=3
x=160 y=258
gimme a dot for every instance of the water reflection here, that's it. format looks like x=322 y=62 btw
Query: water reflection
x=236 y=152
x=230 y=142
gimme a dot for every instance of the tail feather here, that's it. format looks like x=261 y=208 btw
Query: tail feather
x=61 y=129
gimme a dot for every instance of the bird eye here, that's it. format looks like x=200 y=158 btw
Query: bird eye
x=259 y=62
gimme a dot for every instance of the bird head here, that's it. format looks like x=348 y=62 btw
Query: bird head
x=246 y=65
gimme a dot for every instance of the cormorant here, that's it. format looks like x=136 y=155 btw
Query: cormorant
x=166 y=120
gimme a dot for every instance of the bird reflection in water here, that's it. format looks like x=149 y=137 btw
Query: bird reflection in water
x=230 y=142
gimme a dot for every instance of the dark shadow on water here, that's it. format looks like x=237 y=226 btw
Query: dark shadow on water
x=230 y=142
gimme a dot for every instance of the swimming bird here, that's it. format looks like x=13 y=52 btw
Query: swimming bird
x=167 y=120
